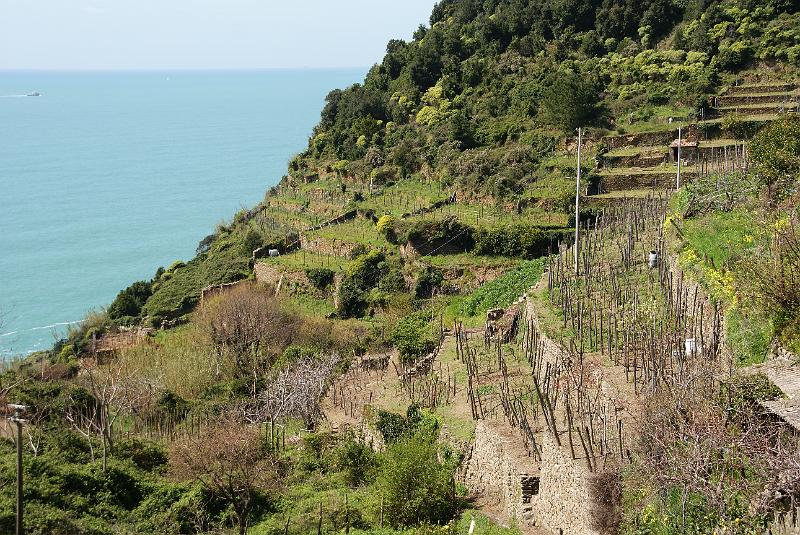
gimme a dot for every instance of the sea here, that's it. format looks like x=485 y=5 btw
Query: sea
x=105 y=176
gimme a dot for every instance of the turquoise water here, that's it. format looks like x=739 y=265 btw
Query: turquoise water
x=107 y=176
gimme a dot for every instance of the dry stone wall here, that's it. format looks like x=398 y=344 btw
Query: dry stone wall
x=650 y=139
x=563 y=504
x=325 y=246
x=282 y=280
x=492 y=471
x=498 y=469
x=495 y=470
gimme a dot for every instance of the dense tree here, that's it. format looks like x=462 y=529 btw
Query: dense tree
x=129 y=302
x=776 y=153
x=570 y=101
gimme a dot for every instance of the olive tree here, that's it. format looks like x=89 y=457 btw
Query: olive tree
x=231 y=460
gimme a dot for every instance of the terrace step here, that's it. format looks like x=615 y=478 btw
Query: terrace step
x=640 y=159
x=778 y=87
x=618 y=198
x=756 y=98
x=647 y=139
x=642 y=179
x=758 y=109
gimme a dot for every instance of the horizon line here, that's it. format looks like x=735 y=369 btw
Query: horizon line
x=185 y=69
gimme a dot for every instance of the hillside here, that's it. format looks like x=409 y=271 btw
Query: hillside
x=404 y=336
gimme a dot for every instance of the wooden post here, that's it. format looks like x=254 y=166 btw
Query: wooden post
x=577 y=199
x=678 y=179
x=346 y=515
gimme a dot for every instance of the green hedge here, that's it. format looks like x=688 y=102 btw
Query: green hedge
x=440 y=237
x=521 y=241
x=320 y=277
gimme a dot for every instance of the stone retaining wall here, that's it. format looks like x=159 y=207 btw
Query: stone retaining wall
x=650 y=139
x=639 y=180
x=636 y=160
x=761 y=109
x=492 y=472
x=737 y=100
x=327 y=246
x=274 y=275
x=766 y=88
x=563 y=504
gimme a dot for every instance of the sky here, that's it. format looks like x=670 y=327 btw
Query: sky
x=202 y=34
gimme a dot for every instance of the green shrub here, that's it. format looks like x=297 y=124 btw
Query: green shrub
x=525 y=241
x=352 y=302
x=393 y=281
x=415 y=336
x=416 y=487
x=392 y=426
x=252 y=241
x=749 y=336
x=427 y=282
x=321 y=278
x=790 y=335
x=570 y=100
x=347 y=516
x=67 y=353
x=440 y=237
x=146 y=455
x=314 y=455
x=358 y=250
x=129 y=302
x=775 y=150
x=386 y=225
x=365 y=269
x=363 y=273
x=356 y=460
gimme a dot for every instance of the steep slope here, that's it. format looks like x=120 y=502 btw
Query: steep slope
x=390 y=291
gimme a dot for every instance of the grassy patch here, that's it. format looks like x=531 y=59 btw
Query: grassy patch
x=312 y=305
x=178 y=289
x=719 y=236
x=301 y=260
x=748 y=335
x=181 y=360
x=355 y=231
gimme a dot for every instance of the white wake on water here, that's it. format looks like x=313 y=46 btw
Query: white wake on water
x=52 y=325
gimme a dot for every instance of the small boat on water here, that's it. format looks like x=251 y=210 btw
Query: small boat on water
x=34 y=94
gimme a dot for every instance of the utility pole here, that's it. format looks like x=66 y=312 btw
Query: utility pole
x=678 y=179
x=577 y=200
x=17 y=419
